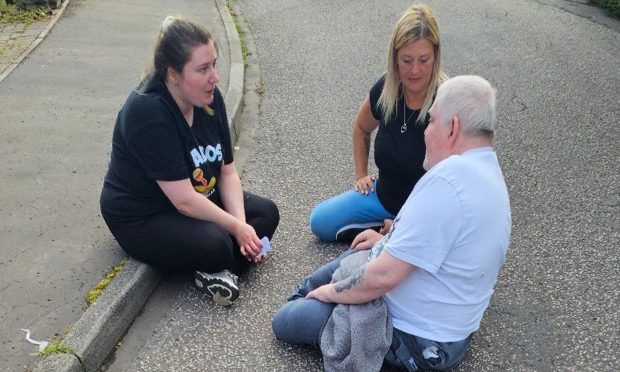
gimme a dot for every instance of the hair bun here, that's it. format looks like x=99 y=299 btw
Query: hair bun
x=167 y=22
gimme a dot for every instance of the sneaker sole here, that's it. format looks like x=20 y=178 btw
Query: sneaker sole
x=218 y=290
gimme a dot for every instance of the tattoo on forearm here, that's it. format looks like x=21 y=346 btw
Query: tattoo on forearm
x=367 y=144
x=351 y=281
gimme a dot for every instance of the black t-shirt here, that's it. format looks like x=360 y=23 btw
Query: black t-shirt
x=152 y=141
x=398 y=155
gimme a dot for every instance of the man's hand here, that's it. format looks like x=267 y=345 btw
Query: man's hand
x=365 y=240
x=387 y=223
x=322 y=293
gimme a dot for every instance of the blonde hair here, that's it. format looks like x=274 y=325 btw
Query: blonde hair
x=417 y=23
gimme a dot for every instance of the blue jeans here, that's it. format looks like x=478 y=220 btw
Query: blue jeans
x=300 y=321
x=351 y=209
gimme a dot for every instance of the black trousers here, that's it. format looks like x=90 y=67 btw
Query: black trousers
x=173 y=242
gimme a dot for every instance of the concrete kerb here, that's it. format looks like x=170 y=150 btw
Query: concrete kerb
x=94 y=336
x=36 y=42
x=234 y=93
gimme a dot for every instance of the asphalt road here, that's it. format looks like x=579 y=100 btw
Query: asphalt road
x=556 y=302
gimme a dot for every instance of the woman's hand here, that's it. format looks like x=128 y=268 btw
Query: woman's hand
x=365 y=183
x=261 y=258
x=363 y=126
x=365 y=240
x=249 y=243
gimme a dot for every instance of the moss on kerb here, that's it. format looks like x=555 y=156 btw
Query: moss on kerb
x=57 y=347
x=94 y=293
x=244 y=48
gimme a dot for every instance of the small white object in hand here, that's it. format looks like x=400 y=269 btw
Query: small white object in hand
x=42 y=344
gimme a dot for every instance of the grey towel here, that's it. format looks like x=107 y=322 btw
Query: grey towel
x=356 y=337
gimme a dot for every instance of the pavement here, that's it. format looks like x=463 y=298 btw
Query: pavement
x=59 y=100
x=556 y=303
x=15 y=41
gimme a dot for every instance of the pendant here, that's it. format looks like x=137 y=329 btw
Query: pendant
x=403 y=128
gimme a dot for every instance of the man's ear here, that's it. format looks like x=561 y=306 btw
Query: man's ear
x=455 y=129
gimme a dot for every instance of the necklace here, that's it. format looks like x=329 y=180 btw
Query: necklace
x=403 y=128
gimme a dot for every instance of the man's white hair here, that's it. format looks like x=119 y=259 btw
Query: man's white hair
x=470 y=98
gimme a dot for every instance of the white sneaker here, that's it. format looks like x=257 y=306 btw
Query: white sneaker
x=221 y=287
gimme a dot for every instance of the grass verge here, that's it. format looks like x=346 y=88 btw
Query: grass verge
x=611 y=6
x=15 y=13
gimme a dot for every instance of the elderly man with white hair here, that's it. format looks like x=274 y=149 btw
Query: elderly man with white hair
x=437 y=265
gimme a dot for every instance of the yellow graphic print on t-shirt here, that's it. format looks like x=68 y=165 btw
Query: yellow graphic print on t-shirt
x=204 y=187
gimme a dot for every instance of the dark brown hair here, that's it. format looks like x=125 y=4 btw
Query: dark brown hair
x=177 y=38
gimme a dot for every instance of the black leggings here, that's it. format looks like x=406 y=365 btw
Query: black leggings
x=173 y=242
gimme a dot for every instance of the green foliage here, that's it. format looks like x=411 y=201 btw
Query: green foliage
x=612 y=6
x=18 y=12
x=55 y=348
x=244 y=49
x=5 y=48
x=94 y=293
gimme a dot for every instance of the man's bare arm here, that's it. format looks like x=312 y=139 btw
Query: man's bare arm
x=370 y=281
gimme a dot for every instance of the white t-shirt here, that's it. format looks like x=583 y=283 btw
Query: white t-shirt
x=455 y=228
